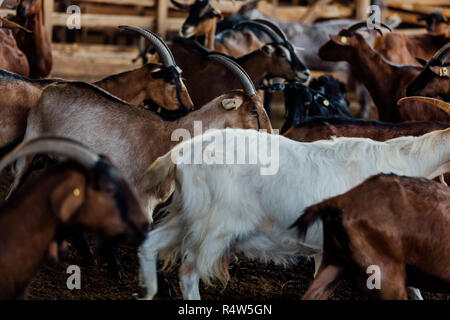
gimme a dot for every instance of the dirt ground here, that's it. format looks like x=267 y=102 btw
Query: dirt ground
x=249 y=280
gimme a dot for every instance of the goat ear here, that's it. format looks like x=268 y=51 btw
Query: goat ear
x=66 y=198
x=268 y=49
x=231 y=104
x=421 y=61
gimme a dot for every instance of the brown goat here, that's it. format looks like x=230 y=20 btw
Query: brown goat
x=20 y=94
x=87 y=192
x=399 y=224
x=36 y=45
x=277 y=59
x=140 y=88
x=11 y=57
x=158 y=85
x=202 y=21
x=385 y=81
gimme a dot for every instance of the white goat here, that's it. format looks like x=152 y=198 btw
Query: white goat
x=220 y=209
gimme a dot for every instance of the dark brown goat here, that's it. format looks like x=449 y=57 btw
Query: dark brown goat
x=36 y=45
x=277 y=59
x=385 y=81
x=398 y=224
x=87 y=192
x=434 y=80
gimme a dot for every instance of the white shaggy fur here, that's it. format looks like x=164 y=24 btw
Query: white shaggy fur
x=220 y=209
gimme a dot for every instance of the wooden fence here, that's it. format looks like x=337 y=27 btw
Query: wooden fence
x=91 y=62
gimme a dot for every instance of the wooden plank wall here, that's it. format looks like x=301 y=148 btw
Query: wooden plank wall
x=92 y=62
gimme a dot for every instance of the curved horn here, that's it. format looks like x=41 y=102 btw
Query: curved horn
x=435 y=102
x=269 y=31
x=247 y=83
x=62 y=146
x=441 y=55
x=160 y=46
x=274 y=27
x=5 y=23
x=361 y=24
x=181 y=6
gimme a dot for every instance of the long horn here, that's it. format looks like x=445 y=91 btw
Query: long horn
x=441 y=55
x=361 y=24
x=5 y=23
x=269 y=31
x=181 y=6
x=63 y=146
x=247 y=83
x=160 y=46
x=274 y=27
x=435 y=102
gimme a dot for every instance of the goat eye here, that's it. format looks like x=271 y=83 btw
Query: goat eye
x=344 y=39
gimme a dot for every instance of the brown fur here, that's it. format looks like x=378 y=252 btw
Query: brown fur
x=390 y=221
x=53 y=201
x=321 y=130
x=386 y=82
x=36 y=45
x=206 y=79
x=402 y=49
x=138 y=85
x=11 y=57
x=238 y=44
x=19 y=96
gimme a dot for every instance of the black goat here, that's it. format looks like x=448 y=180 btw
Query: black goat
x=325 y=97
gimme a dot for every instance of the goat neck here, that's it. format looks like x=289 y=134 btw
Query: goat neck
x=255 y=64
x=129 y=86
x=381 y=78
x=36 y=45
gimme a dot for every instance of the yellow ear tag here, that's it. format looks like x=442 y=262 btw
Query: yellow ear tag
x=443 y=72
x=326 y=103
x=344 y=39
x=76 y=192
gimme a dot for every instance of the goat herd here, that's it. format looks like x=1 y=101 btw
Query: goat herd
x=352 y=193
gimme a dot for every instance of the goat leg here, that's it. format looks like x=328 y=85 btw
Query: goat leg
x=108 y=252
x=324 y=284
x=83 y=247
